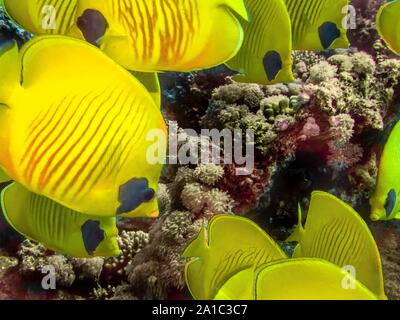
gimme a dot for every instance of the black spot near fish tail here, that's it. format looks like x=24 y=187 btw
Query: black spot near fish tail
x=390 y=202
x=133 y=193
x=93 y=25
x=328 y=33
x=272 y=64
x=92 y=235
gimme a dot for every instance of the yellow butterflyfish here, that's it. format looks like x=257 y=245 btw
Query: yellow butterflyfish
x=336 y=258
x=336 y=233
x=387 y=24
x=318 y=24
x=58 y=228
x=148 y=36
x=76 y=132
x=229 y=245
x=307 y=279
x=266 y=54
x=384 y=202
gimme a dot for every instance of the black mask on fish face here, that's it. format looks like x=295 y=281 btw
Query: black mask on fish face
x=133 y=193
x=390 y=202
x=93 y=25
x=328 y=33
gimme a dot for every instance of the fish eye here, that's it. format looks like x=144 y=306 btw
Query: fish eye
x=390 y=202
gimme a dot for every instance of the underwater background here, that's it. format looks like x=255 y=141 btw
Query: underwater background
x=325 y=131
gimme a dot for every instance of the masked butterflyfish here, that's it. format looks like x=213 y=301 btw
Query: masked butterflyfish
x=388 y=25
x=266 y=54
x=384 y=202
x=318 y=24
x=60 y=229
x=229 y=245
x=336 y=233
x=79 y=129
x=307 y=279
x=142 y=35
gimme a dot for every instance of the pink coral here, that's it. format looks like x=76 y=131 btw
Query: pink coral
x=310 y=129
x=245 y=190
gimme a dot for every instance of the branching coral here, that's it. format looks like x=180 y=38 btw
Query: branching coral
x=157 y=270
x=130 y=243
x=34 y=258
x=87 y=268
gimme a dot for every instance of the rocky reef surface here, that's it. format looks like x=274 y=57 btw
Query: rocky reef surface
x=324 y=131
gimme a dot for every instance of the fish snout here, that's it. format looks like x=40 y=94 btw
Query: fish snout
x=377 y=214
x=374 y=217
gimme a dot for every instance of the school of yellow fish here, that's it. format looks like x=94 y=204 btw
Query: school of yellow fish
x=75 y=146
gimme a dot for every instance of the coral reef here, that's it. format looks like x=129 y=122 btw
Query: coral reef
x=187 y=197
x=157 y=270
x=130 y=243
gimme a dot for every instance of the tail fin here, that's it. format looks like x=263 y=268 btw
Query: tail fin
x=9 y=70
x=299 y=230
x=239 y=7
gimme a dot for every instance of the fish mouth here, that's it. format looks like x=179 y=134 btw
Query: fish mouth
x=154 y=214
x=375 y=217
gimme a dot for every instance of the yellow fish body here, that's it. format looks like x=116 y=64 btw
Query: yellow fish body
x=266 y=54
x=231 y=244
x=318 y=24
x=58 y=228
x=74 y=128
x=148 y=36
x=384 y=202
x=336 y=233
x=307 y=279
x=388 y=25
